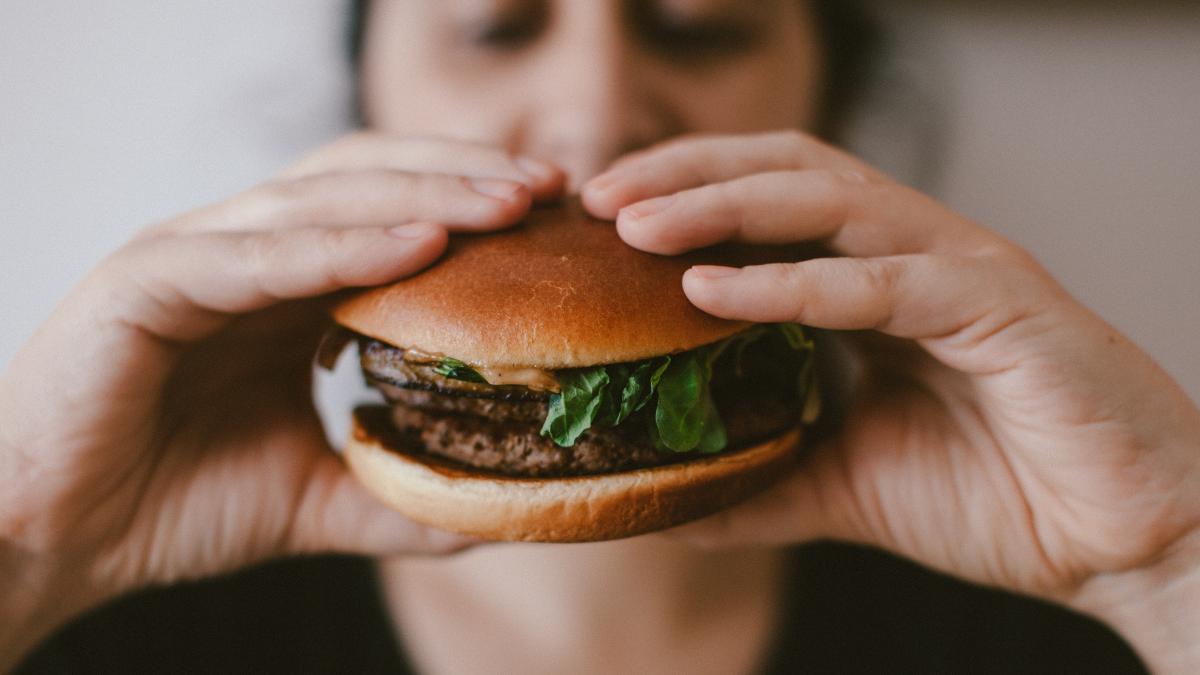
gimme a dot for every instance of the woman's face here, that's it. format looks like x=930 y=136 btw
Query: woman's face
x=581 y=82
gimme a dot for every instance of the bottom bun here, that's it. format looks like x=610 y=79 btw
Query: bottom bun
x=570 y=509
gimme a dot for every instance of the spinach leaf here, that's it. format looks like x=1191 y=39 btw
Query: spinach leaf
x=685 y=416
x=712 y=429
x=576 y=407
x=457 y=370
x=796 y=337
x=609 y=413
x=640 y=386
x=806 y=378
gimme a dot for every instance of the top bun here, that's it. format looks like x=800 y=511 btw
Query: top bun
x=560 y=290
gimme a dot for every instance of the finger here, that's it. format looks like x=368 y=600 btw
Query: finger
x=184 y=287
x=337 y=514
x=802 y=507
x=367 y=150
x=852 y=215
x=961 y=301
x=370 y=198
x=693 y=161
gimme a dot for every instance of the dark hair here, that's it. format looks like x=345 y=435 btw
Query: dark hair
x=851 y=41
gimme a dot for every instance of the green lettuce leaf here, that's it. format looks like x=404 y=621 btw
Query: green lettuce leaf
x=640 y=387
x=684 y=417
x=457 y=370
x=600 y=396
x=806 y=378
x=574 y=409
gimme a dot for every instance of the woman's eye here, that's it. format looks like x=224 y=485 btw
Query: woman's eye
x=700 y=39
x=507 y=34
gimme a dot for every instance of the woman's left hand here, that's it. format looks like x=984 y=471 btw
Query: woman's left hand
x=1001 y=431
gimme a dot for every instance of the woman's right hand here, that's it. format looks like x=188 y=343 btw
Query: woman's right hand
x=159 y=425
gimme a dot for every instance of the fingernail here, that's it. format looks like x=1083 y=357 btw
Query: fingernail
x=495 y=188
x=536 y=168
x=413 y=231
x=648 y=207
x=714 y=271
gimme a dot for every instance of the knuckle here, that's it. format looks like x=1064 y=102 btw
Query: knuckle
x=789 y=280
x=1016 y=265
x=126 y=260
x=786 y=275
x=1008 y=254
x=833 y=192
x=275 y=200
x=882 y=278
x=881 y=275
x=729 y=204
x=416 y=150
x=330 y=154
x=1024 y=280
x=129 y=283
x=258 y=252
x=333 y=239
x=333 y=245
x=793 y=140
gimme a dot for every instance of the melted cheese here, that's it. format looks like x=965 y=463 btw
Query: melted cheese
x=534 y=378
x=537 y=379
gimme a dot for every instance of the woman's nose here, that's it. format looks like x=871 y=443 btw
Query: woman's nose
x=592 y=101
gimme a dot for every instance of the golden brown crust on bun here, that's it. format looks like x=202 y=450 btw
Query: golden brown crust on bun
x=584 y=508
x=560 y=290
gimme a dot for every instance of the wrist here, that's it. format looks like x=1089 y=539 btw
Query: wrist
x=1157 y=609
x=38 y=592
x=42 y=586
x=32 y=603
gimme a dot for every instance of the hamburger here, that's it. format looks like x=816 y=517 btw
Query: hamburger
x=551 y=383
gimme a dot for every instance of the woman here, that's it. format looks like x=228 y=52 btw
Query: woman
x=158 y=427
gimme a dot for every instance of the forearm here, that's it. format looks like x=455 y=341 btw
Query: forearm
x=1156 y=610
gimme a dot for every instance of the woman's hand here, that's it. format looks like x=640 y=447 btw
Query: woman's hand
x=1001 y=431
x=160 y=426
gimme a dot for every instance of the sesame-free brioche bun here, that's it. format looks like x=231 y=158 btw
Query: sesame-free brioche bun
x=566 y=509
x=559 y=290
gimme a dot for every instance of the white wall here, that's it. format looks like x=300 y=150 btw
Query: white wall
x=1074 y=128
x=118 y=113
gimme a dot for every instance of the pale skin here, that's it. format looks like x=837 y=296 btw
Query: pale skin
x=158 y=426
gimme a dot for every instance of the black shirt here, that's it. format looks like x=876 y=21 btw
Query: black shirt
x=850 y=610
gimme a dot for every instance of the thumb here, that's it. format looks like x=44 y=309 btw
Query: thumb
x=808 y=504
x=336 y=514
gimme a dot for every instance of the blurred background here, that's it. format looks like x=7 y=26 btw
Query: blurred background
x=1071 y=127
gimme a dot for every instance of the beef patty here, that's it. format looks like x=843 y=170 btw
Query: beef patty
x=498 y=428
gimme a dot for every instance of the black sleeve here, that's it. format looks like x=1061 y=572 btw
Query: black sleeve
x=856 y=610
x=849 y=610
x=312 y=615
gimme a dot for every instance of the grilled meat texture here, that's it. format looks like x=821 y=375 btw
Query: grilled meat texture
x=497 y=428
